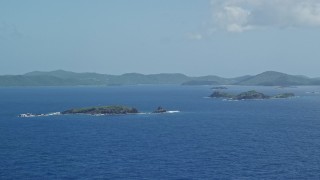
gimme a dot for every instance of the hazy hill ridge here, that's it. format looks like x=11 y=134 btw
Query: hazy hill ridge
x=66 y=78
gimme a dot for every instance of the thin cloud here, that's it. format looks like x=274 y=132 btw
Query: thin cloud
x=243 y=15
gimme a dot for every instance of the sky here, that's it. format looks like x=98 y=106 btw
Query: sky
x=228 y=38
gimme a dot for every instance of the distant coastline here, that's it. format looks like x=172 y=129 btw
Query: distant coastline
x=67 y=78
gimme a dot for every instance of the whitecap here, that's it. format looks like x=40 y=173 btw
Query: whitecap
x=172 y=111
x=53 y=114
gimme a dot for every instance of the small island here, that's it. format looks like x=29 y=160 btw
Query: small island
x=102 y=110
x=249 y=95
x=219 y=88
x=284 y=95
x=98 y=111
x=159 y=110
x=220 y=94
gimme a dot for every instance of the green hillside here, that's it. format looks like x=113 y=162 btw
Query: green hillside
x=272 y=78
x=66 y=78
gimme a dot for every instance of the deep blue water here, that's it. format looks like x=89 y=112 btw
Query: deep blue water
x=208 y=139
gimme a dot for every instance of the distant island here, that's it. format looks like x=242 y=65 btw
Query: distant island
x=249 y=95
x=160 y=110
x=66 y=78
x=98 y=110
x=219 y=87
x=102 y=110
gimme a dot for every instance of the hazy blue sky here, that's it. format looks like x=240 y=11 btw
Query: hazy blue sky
x=195 y=37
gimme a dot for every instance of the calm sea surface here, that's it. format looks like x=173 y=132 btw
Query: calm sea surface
x=207 y=139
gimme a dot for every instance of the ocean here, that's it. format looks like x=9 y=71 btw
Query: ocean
x=207 y=139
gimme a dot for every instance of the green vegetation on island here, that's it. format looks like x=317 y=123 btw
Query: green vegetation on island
x=272 y=78
x=251 y=95
x=104 y=110
x=248 y=95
